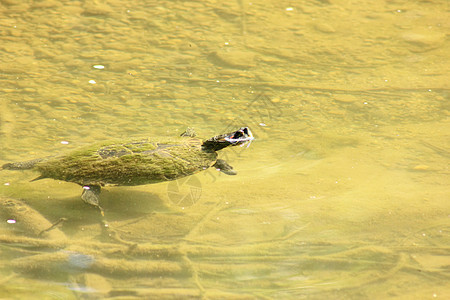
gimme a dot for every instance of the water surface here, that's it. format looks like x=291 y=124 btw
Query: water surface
x=343 y=194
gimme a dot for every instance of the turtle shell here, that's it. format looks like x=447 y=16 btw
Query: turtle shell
x=133 y=162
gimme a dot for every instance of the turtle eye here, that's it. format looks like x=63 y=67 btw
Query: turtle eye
x=238 y=134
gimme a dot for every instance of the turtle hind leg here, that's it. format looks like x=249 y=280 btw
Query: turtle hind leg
x=91 y=195
x=224 y=167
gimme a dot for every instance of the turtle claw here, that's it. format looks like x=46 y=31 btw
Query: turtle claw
x=91 y=195
x=224 y=167
x=190 y=132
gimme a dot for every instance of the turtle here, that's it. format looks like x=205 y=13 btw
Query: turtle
x=135 y=161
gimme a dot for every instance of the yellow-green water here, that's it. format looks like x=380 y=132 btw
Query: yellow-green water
x=344 y=194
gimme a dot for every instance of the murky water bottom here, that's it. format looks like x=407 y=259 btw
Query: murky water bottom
x=281 y=230
x=343 y=194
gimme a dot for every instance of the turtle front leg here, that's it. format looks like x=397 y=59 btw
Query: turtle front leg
x=91 y=195
x=224 y=167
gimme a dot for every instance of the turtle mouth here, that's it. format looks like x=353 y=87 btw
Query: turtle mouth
x=242 y=137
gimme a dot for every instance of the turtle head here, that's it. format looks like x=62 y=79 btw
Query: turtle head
x=238 y=137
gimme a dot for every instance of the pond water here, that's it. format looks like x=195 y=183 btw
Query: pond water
x=343 y=194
